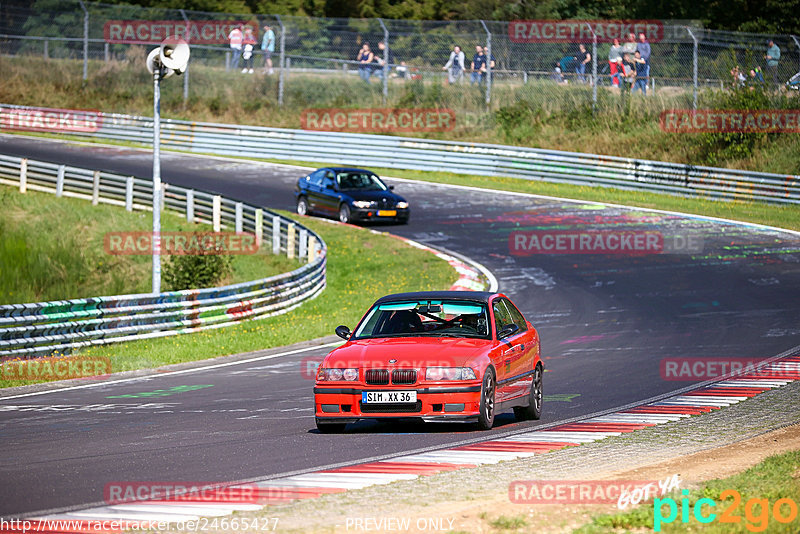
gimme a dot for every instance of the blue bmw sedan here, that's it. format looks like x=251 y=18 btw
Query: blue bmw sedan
x=351 y=195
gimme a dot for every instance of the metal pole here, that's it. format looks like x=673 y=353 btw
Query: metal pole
x=385 y=61
x=85 y=40
x=282 y=59
x=694 y=67
x=488 y=63
x=186 y=72
x=156 y=181
x=594 y=67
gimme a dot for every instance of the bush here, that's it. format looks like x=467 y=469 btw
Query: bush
x=193 y=271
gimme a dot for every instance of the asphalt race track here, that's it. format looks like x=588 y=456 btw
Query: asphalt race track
x=606 y=323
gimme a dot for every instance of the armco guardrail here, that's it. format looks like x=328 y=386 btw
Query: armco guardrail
x=28 y=330
x=448 y=156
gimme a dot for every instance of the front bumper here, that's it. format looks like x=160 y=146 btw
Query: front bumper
x=372 y=215
x=343 y=404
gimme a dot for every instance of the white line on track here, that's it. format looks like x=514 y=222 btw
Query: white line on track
x=173 y=373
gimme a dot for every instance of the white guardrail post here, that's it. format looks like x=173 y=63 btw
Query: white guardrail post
x=276 y=235
x=129 y=193
x=190 y=205
x=23 y=175
x=43 y=328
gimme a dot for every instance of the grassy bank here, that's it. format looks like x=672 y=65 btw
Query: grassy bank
x=362 y=266
x=758 y=489
x=53 y=248
x=538 y=114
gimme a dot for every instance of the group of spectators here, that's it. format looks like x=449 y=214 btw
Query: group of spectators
x=756 y=75
x=243 y=42
x=378 y=63
x=628 y=64
x=479 y=68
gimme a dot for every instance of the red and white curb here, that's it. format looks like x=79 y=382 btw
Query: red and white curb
x=310 y=485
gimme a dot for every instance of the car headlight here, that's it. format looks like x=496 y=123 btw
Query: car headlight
x=337 y=375
x=363 y=204
x=402 y=205
x=449 y=373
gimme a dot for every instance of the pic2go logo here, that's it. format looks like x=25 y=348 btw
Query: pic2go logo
x=756 y=511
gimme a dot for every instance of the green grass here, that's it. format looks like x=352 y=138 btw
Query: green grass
x=777 y=477
x=508 y=523
x=52 y=249
x=539 y=114
x=362 y=266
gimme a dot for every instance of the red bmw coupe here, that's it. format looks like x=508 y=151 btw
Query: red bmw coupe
x=438 y=356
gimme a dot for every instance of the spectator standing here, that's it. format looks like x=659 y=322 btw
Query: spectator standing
x=249 y=42
x=365 y=58
x=628 y=71
x=380 y=62
x=629 y=47
x=772 y=56
x=235 y=37
x=478 y=65
x=455 y=65
x=641 y=73
x=643 y=47
x=584 y=58
x=615 y=62
x=268 y=47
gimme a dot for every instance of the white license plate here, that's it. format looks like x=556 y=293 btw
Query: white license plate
x=388 y=397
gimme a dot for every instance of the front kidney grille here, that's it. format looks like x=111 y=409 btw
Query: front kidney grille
x=404 y=376
x=376 y=377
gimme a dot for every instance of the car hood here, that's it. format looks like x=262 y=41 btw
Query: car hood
x=414 y=352
x=372 y=195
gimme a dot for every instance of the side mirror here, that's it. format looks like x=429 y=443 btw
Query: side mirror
x=391 y=188
x=329 y=185
x=343 y=332
x=507 y=330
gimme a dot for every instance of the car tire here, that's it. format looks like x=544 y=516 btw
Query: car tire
x=330 y=428
x=488 y=395
x=534 y=408
x=344 y=213
x=302 y=206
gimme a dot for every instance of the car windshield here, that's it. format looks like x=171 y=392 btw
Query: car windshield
x=362 y=181
x=426 y=318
